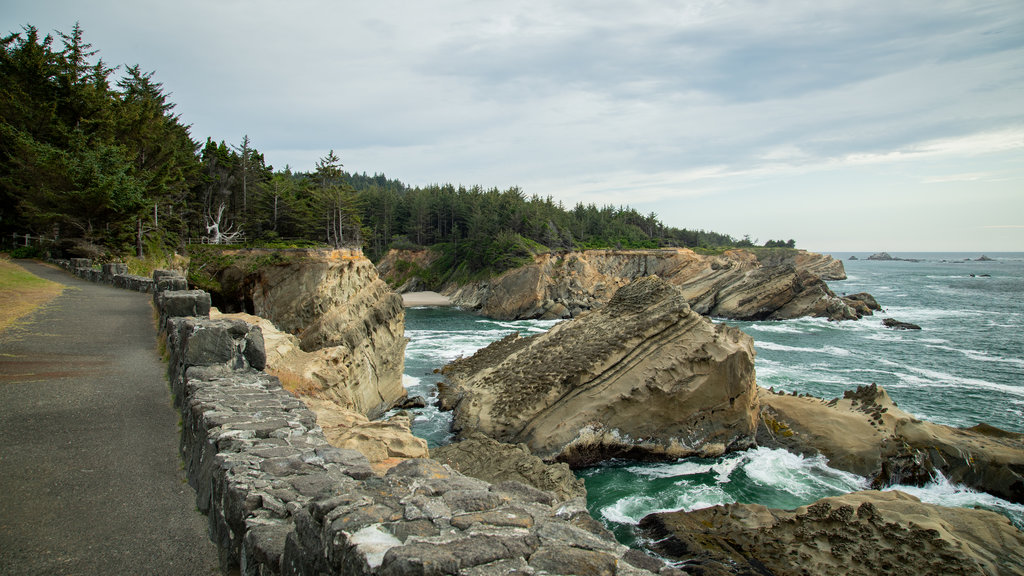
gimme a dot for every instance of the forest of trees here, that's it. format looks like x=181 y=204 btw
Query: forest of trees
x=93 y=157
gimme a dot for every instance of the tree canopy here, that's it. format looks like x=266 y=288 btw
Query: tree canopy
x=97 y=153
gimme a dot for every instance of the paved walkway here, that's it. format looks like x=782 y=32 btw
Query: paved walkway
x=90 y=477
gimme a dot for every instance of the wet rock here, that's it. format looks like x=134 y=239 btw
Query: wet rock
x=898 y=325
x=858 y=534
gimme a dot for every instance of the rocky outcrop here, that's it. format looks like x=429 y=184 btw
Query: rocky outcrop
x=867 y=434
x=739 y=284
x=644 y=377
x=899 y=325
x=333 y=307
x=281 y=500
x=859 y=534
x=487 y=459
x=317 y=380
x=886 y=257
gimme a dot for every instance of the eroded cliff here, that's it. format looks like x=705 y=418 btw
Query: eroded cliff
x=334 y=308
x=644 y=377
x=739 y=284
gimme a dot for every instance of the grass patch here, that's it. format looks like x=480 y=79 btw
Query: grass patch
x=21 y=292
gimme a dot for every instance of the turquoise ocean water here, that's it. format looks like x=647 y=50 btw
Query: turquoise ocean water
x=964 y=367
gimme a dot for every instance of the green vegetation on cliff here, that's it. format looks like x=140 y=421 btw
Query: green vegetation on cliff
x=93 y=159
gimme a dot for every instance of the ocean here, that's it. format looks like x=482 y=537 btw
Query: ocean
x=964 y=367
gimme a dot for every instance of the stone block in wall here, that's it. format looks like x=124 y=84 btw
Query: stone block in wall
x=132 y=282
x=166 y=283
x=172 y=304
x=158 y=274
x=112 y=269
x=77 y=263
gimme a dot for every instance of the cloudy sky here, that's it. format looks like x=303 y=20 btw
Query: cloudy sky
x=848 y=125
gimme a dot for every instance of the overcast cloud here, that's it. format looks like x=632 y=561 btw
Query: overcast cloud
x=855 y=125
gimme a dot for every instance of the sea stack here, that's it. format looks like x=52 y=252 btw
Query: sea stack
x=644 y=377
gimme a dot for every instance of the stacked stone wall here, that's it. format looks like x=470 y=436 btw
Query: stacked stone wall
x=280 y=500
x=116 y=274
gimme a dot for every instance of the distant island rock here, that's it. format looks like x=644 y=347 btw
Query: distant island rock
x=854 y=258
x=886 y=257
x=984 y=259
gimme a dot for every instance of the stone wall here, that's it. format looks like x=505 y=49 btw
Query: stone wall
x=281 y=500
x=116 y=274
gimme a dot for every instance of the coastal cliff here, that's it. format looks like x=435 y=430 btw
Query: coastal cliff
x=644 y=377
x=867 y=434
x=738 y=284
x=335 y=309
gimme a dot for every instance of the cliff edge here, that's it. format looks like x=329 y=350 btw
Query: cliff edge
x=335 y=308
x=740 y=284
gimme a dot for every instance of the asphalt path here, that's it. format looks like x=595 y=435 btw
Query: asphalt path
x=91 y=480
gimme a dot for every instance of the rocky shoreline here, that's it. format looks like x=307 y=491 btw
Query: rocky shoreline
x=645 y=377
x=738 y=284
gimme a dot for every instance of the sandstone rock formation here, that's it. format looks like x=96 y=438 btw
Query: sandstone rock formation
x=320 y=382
x=739 y=284
x=859 y=534
x=383 y=442
x=335 y=309
x=867 y=434
x=644 y=377
x=487 y=459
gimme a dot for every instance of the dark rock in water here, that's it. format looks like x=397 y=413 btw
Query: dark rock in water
x=897 y=325
x=886 y=257
x=984 y=259
x=409 y=403
x=854 y=258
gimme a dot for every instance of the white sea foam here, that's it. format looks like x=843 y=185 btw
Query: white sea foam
x=780 y=328
x=936 y=378
x=943 y=493
x=672 y=470
x=632 y=509
x=801 y=476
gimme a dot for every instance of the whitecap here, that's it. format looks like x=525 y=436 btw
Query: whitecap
x=683 y=468
x=945 y=380
x=777 y=328
x=942 y=492
x=800 y=476
x=632 y=509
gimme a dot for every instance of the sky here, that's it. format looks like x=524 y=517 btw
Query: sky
x=862 y=125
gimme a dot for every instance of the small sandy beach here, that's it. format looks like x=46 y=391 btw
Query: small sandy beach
x=410 y=299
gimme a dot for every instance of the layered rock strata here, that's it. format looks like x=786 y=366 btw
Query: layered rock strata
x=867 y=434
x=338 y=310
x=281 y=500
x=739 y=284
x=644 y=377
x=858 y=534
